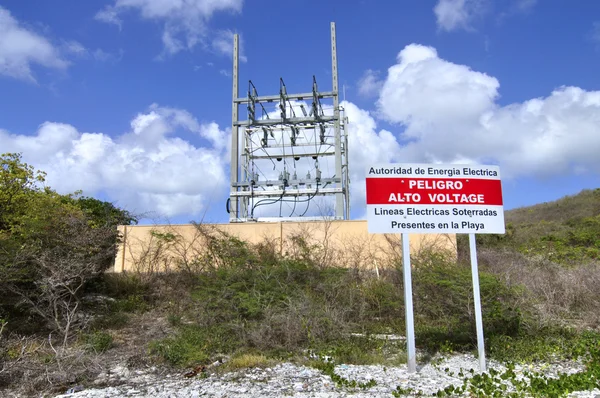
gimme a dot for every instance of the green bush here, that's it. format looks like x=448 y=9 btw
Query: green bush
x=196 y=344
x=291 y=304
x=98 y=341
x=444 y=310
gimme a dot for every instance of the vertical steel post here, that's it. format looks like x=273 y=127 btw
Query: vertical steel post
x=339 y=197
x=235 y=142
x=477 y=300
x=347 y=169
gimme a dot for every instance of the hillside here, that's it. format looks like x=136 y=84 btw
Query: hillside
x=245 y=306
x=582 y=205
x=566 y=231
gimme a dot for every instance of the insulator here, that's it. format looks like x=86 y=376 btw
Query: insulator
x=322 y=133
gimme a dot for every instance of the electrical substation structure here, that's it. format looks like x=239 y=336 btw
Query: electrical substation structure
x=291 y=149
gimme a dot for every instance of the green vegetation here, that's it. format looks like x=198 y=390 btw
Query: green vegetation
x=51 y=247
x=539 y=288
x=327 y=366
x=98 y=342
x=282 y=306
x=532 y=384
x=565 y=231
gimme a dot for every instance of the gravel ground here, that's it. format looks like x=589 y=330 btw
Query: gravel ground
x=298 y=381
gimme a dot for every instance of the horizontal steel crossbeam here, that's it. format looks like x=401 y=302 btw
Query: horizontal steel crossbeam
x=291 y=120
x=276 y=98
x=287 y=192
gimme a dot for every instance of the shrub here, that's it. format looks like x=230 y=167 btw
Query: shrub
x=98 y=341
x=444 y=310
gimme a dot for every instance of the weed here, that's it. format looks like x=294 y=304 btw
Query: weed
x=248 y=360
x=327 y=366
x=195 y=344
x=112 y=320
x=98 y=341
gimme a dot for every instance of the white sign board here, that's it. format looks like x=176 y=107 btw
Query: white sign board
x=434 y=198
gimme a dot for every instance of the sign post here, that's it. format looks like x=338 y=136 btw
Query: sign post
x=408 y=305
x=435 y=198
x=477 y=301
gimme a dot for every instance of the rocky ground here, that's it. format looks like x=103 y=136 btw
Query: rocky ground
x=287 y=379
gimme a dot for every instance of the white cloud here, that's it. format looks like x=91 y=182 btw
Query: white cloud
x=21 y=47
x=369 y=84
x=148 y=168
x=517 y=7
x=185 y=22
x=450 y=113
x=458 y=14
x=109 y=15
x=423 y=89
x=222 y=43
x=104 y=56
x=78 y=50
x=525 y=5
x=366 y=146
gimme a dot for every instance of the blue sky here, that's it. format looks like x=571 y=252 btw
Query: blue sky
x=130 y=100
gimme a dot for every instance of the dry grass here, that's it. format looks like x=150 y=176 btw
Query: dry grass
x=560 y=295
x=244 y=361
x=584 y=204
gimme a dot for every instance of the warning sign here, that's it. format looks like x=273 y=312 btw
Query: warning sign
x=433 y=198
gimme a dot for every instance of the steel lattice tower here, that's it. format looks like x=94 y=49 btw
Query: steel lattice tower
x=295 y=140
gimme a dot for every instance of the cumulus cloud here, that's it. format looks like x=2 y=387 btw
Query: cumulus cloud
x=458 y=14
x=449 y=113
x=222 y=43
x=369 y=84
x=149 y=168
x=185 y=22
x=20 y=48
x=367 y=145
x=423 y=89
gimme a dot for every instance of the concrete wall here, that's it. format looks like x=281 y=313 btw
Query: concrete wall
x=343 y=243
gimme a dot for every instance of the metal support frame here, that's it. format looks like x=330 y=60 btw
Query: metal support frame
x=339 y=197
x=235 y=135
x=286 y=137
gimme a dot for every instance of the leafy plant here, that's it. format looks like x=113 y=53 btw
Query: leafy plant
x=327 y=367
x=98 y=341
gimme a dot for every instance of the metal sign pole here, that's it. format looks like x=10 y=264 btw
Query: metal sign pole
x=408 y=304
x=477 y=299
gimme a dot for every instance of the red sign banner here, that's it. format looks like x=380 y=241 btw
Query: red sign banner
x=428 y=191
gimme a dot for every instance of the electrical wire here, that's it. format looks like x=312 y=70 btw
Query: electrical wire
x=265 y=151
x=280 y=199
x=294 y=209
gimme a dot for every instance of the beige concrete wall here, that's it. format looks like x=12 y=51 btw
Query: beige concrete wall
x=162 y=248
